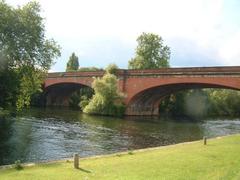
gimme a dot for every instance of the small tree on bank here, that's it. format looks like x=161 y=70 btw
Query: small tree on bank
x=150 y=53
x=72 y=64
x=107 y=100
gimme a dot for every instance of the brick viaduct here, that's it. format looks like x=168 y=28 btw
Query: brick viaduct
x=144 y=89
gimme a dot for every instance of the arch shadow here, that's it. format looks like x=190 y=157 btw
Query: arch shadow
x=147 y=101
x=59 y=94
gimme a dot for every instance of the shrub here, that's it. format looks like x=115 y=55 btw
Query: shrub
x=18 y=165
x=107 y=99
x=112 y=69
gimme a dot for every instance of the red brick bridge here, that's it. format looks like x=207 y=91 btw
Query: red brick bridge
x=144 y=89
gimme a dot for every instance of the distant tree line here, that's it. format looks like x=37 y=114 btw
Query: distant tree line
x=201 y=102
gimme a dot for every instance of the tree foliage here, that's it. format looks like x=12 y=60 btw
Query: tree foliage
x=83 y=94
x=25 y=52
x=112 y=69
x=22 y=37
x=150 y=53
x=224 y=102
x=107 y=100
x=202 y=102
x=72 y=64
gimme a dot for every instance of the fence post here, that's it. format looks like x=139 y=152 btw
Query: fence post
x=76 y=161
x=205 y=140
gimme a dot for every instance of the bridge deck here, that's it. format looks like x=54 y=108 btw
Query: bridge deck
x=221 y=70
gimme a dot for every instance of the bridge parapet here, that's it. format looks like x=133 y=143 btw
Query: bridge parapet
x=76 y=74
x=191 y=71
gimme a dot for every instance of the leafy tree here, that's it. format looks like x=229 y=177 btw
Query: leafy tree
x=202 y=102
x=112 y=69
x=150 y=53
x=84 y=101
x=9 y=81
x=72 y=64
x=223 y=102
x=83 y=94
x=107 y=100
x=22 y=37
x=25 y=52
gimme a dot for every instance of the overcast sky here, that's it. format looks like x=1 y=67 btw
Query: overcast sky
x=199 y=32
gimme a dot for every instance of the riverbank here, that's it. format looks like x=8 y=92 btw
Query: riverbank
x=219 y=159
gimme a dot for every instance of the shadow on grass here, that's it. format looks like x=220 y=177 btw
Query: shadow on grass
x=84 y=170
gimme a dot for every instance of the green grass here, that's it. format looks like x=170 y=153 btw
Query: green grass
x=219 y=159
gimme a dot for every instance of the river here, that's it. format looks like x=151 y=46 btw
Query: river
x=50 y=134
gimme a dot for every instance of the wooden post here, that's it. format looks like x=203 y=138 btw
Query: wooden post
x=205 y=140
x=76 y=161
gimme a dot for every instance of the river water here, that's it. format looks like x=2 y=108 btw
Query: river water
x=51 y=134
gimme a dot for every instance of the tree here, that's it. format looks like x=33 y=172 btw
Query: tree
x=112 y=69
x=22 y=38
x=83 y=94
x=72 y=64
x=25 y=51
x=150 y=53
x=107 y=100
x=223 y=102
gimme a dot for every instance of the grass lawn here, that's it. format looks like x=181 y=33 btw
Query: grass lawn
x=219 y=159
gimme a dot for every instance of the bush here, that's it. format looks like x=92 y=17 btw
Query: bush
x=80 y=98
x=17 y=165
x=112 y=69
x=83 y=102
x=107 y=99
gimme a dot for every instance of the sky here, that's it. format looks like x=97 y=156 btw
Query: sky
x=100 y=32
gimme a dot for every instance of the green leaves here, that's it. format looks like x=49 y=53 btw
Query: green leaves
x=72 y=64
x=30 y=83
x=150 y=53
x=24 y=51
x=224 y=102
x=107 y=99
x=22 y=37
x=201 y=102
x=112 y=69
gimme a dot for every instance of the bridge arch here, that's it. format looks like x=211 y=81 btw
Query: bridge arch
x=58 y=94
x=142 y=87
x=146 y=101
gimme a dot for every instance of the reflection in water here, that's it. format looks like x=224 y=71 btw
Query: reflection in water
x=48 y=134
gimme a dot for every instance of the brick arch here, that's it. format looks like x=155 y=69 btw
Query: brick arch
x=58 y=94
x=146 y=101
x=136 y=85
x=135 y=82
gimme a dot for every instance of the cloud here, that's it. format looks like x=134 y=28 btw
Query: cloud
x=106 y=28
x=186 y=52
x=98 y=52
x=229 y=52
